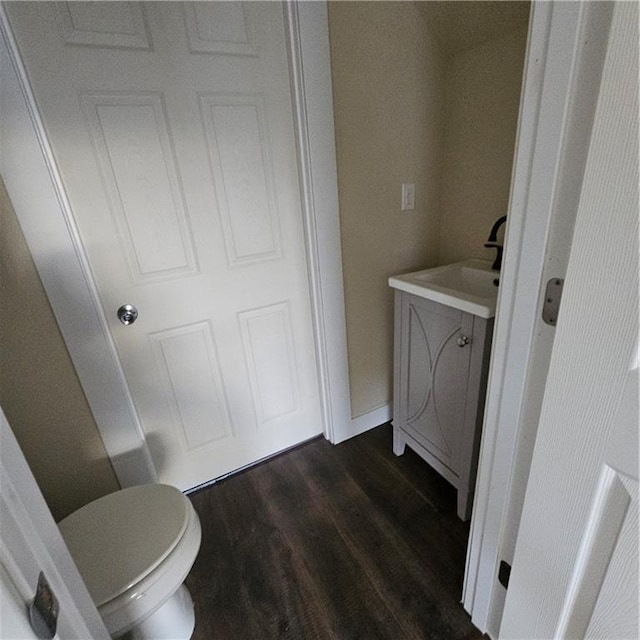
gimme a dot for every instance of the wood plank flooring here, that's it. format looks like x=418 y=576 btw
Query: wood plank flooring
x=328 y=542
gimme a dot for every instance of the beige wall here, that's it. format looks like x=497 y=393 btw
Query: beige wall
x=387 y=84
x=482 y=102
x=39 y=390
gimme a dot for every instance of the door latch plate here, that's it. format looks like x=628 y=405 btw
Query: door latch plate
x=552 y=297
x=43 y=610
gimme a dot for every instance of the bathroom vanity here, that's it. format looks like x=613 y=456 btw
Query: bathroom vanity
x=443 y=328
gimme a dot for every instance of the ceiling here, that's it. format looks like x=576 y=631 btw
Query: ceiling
x=460 y=25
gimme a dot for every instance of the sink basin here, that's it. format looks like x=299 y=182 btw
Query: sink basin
x=468 y=286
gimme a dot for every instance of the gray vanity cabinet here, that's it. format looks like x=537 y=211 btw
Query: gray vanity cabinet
x=440 y=374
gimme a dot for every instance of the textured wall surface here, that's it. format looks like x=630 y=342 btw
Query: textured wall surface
x=388 y=92
x=405 y=113
x=482 y=103
x=39 y=389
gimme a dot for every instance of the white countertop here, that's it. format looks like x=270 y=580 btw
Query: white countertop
x=468 y=286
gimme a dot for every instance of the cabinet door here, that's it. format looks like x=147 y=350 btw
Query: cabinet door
x=434 y=375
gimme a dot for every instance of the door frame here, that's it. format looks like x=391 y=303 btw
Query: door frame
x=31 y=542
x=563 y=66
x=44 y=212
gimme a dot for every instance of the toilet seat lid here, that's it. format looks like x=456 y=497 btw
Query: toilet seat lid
x=119 y=539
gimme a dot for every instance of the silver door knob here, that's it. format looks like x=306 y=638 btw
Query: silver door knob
x=127 y=314
x=463 y=341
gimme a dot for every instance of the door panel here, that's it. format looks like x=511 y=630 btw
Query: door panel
x=171 y=123
x=243 y=175
x=602 y=601
x=108 y=24
x=271 y=362
x=131 y=142
x=220 y=27
x=615 y=609
x=194 y=389
x=575 y=565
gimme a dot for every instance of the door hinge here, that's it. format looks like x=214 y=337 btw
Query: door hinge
x=552 y=297
x=504 y=573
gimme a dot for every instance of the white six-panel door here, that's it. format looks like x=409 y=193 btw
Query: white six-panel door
x=171 y=123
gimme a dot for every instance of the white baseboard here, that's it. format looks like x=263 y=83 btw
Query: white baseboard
x=369 y=420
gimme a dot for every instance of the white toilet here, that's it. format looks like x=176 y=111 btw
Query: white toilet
x=134 y=549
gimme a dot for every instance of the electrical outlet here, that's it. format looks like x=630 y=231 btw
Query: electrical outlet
x=408 y=196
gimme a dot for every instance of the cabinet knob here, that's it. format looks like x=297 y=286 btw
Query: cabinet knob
x=463 y=341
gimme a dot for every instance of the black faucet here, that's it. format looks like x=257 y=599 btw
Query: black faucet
x=492 y=242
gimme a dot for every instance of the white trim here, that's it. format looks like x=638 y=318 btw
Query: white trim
x=31 y=542
x=371 y=419
x=550 y=147
x=34 y=184
x=308 y=44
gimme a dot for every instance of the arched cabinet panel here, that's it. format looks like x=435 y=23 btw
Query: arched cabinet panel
x=440 y=380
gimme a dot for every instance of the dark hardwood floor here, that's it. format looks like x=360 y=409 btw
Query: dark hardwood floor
x=330 y=542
